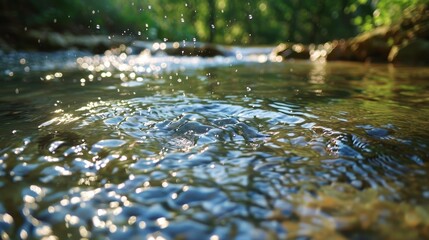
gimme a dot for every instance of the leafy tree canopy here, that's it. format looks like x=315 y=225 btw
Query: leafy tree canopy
x=221 y=21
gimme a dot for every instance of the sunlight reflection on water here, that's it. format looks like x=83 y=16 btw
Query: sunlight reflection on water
x=140 y=146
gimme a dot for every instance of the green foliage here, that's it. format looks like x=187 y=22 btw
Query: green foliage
x=382 y=12
x=222 y=21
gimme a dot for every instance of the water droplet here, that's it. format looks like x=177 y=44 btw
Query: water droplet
x=142 y=225
x=214 y=237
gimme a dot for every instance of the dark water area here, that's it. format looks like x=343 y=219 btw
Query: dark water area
x=133 y=146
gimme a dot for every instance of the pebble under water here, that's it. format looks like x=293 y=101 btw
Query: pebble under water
x=123 y=146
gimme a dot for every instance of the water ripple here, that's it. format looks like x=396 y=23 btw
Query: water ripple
x=179 y=166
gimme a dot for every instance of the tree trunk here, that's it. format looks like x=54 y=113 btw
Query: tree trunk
x=316 y=21
x=295 y=6
x=212 y=20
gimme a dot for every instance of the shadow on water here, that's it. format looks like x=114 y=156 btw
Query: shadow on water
x=227 y=150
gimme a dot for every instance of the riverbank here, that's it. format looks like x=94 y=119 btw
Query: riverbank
x=406 y=42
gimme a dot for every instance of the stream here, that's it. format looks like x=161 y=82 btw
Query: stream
x=129 y=145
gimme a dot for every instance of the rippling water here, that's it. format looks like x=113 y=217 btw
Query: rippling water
x=124 y=146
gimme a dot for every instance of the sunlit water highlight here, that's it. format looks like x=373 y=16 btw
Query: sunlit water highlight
x=132 y=146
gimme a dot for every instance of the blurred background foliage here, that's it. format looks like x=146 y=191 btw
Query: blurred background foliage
x=220 y=21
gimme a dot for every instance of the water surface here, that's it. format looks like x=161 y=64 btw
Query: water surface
x=131 y=146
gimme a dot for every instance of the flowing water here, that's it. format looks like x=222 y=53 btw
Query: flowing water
x=133 y=146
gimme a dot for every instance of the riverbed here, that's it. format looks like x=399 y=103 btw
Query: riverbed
x=128 y=145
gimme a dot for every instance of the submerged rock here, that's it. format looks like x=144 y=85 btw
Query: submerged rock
x=201 y=51
x=292 y=51
x=194 y=49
